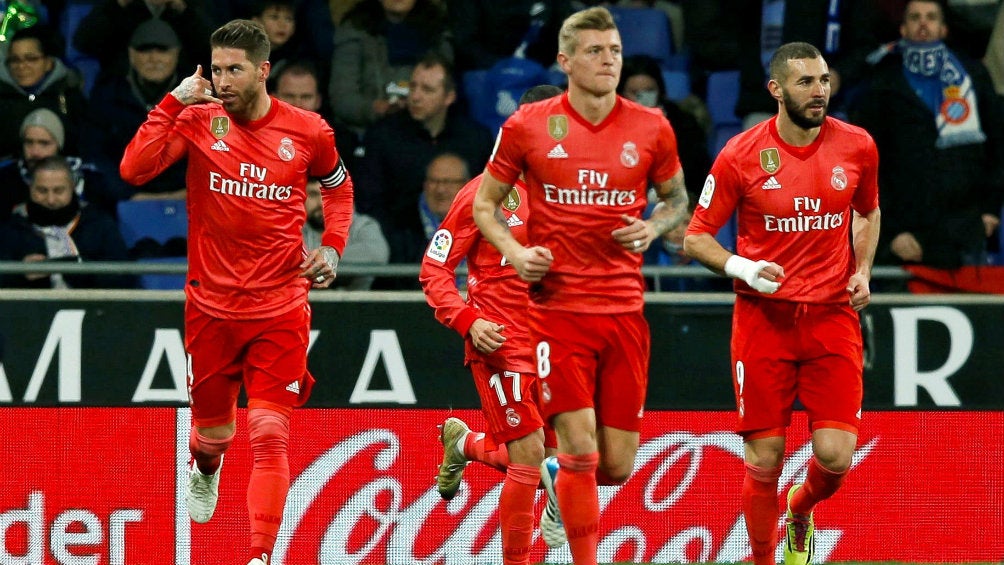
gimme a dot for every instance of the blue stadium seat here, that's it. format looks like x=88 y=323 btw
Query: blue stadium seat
x=160 y=220
x=644 y=31
x=88 y=66
x=723 y=93
x=677 y=84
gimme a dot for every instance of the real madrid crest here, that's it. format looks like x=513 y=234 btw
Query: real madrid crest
x=220 y=126
x=629 y=155
x=286 y=150
x=511 y=201
x=770 y=160
x=839 y=179
x=557 y=126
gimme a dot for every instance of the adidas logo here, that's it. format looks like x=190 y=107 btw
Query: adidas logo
x=220 y=146
x=557 y=153
x=294 y=387
x=771 y=184
x=514 y=221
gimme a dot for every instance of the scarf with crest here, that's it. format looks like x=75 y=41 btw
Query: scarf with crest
x=939 y=78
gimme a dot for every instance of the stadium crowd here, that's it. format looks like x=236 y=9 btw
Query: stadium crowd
x=404 y=81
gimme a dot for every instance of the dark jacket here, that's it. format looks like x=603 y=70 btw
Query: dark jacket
x=105 y=33
x=94 y=186
x=60 y=91
x=805 y=20
x=115 y=113
x=96 y=236
x=936 y=194
x=389 y=177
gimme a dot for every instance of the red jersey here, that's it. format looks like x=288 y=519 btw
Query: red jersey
x=794 y=204
x=494 y=290
x=246 y=190
x=580 y=179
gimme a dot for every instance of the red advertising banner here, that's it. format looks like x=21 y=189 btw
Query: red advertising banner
x=105 y=486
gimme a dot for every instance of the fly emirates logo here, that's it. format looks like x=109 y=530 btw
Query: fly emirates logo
x=806 y=218
x=592 y=191
x=250 y=185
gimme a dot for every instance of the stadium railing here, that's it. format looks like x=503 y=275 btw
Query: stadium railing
x=654 y=273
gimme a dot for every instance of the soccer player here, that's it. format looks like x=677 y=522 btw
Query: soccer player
x=805 y=189
x=246 y=316
x=588 y=158
x=498 y=353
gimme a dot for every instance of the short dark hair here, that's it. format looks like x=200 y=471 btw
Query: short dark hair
x=55 y=163
x=942 y=7
x=49 y=40
x=642 y=65
x=297 y=68
x=786 y=52
x=246 y=35
x=436 y=59
x=539 y=92
x=258 y=7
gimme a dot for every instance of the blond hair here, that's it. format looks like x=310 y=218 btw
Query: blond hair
x=597 y=18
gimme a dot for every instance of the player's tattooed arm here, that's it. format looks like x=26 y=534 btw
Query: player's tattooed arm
x=673 y=208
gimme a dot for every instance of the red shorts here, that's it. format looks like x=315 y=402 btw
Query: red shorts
x=782 y=350
x=509 y=401
x=269 y=356
x=597 y=361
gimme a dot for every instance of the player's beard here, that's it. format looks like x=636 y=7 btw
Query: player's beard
x=799 y=115
x=244 y=101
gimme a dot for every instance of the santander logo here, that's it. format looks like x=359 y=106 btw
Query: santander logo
x=351 y=505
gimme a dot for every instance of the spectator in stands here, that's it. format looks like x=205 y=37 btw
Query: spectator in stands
x=55 y=225
x=298 y=83
x=485 y=31
x=314 y=25
x=993 y=57
x=444 y=176
x=844 y=32
x=642 y=82
x=710 y=38
x=278 y=17
x=42 y=135
x=939 y=128
x=397 y=149
x=107 y=30
x=33 y=76
x=366 y=246
x=376 y=47
x=119 y=105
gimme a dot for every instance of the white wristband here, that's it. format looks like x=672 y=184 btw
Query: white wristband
x=741 y=268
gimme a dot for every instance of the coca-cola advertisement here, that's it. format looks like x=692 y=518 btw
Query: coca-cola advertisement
x=106 y=486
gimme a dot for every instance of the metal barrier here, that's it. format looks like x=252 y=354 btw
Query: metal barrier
x=655 y=273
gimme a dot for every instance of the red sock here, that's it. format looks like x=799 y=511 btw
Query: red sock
x=516 y=512
x=760 y=508
x=474 y=450
x=207 y=452
x=579 y=504
x=820 y=484
x=269 y=484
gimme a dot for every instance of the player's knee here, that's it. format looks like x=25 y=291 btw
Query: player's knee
x=527 y=450
x=613 y=474
x=204 y=445
x=834 y=461
x=268 y=427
